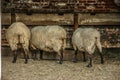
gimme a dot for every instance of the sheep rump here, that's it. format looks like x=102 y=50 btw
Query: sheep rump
x=18 y=33
x=87 y=39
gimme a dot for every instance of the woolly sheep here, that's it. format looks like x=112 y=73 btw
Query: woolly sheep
x=18 y=36
x=50 y=39
x=86 y=40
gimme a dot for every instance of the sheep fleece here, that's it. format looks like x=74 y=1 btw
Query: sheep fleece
x=86 y=39
x=48 y=38
x=12 y=33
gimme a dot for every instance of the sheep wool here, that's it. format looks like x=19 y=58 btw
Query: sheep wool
x=48 y=38
x=86 y=40
x=18 y=29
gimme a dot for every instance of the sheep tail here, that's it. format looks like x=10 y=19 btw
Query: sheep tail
x=98 y=44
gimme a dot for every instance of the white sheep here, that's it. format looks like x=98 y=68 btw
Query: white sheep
x=50 y=39
x=86 y=40
x=18 y=36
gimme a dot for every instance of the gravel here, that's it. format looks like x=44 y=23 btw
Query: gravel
x=51 y=70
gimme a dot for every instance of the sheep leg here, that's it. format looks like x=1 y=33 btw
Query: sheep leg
x=75 y=56
x=15 y=56
x=84 y=59
x=34 y=54
x=26 y=56
x=90 y=61
x=61 y=57
x=41 y=54
x=101 y=56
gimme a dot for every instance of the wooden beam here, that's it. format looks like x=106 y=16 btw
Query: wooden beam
x=76 y=21
x=101 y=23
x=13 y=16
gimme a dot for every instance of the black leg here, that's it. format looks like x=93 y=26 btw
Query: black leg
x=101 y=56
x=26 y=59
x=26 y=56
x=90 y=61
x=41 y=54
x=84 y=59
x=75 y=56
x=61 y=57
x=20 y=50
x=15 y=56
x=34 y=54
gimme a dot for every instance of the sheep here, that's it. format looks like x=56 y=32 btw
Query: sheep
x=86 y=40
x=49 y=39
x=18 y=36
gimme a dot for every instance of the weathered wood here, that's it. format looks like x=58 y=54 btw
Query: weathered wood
x=99 y=19
x=45 y=19
x=101 y=23
x=65 y=19
x=13 y=17
x=76 y=20
x=6 y=19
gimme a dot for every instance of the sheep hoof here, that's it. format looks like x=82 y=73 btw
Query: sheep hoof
x=75 y=61
x=84 y=60
x=60 y=62
x=35 y=59
x=28 y=57
x=25 y=62
x=89 y=66
x=102 y=62
x=13 y=61
x=41 y=58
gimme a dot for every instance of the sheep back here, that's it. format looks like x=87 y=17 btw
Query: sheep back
x=48 y=38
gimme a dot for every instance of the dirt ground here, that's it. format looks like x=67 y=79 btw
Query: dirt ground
x=51 y=70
